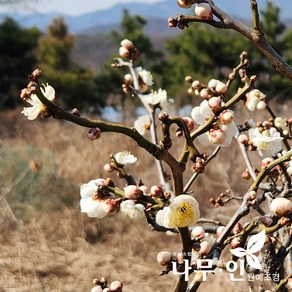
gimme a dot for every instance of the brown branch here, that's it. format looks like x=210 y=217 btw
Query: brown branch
x=255 y=35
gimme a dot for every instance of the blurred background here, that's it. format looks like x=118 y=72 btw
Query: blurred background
x=46 y=244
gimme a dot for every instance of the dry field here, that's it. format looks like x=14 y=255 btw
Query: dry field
x=46 y=244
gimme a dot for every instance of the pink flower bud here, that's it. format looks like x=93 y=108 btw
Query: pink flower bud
x=184 y=3
x=266 y=161
x=217 y=136
x=132 y=192
x=108 y=167
x=281 y=206
x=221 y=87
x=93 y=134
x=116 y=286
x=219 y=230
x=205 y=248
x=107 y=290
x=190 y=123
x=215 y=103
x=243 y=139
x=226 y=117
x=164 y=258
x=127 y=44
x=156 y=191
x=197 y=233
x=196 y=84
x=266 y=220
x=124 y=53
x=212 y=83
x=235 y=242
x=237 y=228
x=180 y=258
x=246 y=175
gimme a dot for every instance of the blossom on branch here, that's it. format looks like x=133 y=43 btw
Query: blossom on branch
x=183 y=211
x=90 y=203
x=142 y=124
x=268 y=142
x=125 y=157
x=145 y=75
x=222 y=132
x=36 y=105
x=131 y=209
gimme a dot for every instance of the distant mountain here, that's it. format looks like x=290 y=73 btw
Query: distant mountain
x=104 y=19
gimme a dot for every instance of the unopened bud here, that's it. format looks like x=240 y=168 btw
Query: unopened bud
x=184 y=3
x=221 y=87
x=189 y=79
x=93 y=134
x=203 y=10
x=226 y=117
x=108 y=167
x=246 y=175
x=128 y=78
x=164 y=258
x=281 y=206
x=237 y=228
x=235 y=242
x=190 y=123
x=204 y=93
x=36 y=74
x=156 y=191
x=124 y=53
x=196 y=84
x=132 y=192
x=215 y=103
x=197 y=233
x=127 y=44
x=243 y=139
x=116 y=286
x=217 y=136
x=266 y=161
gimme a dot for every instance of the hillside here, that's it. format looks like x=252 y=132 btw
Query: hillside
x=101 y=19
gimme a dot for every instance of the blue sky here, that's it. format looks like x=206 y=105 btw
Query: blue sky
x=72 y=7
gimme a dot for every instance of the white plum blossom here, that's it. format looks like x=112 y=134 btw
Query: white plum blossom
x=131 y=209
x=142 y=124
x=202 y=113
x=145 y=75
x=125 y=157
x=183 y=211
x=36 y=105
x=33 y=111
x=268 y=142
x=90 y=203
x=156 y=97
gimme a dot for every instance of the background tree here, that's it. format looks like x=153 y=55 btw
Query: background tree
x=75 y=83
x=109 y=80
x=17 y=52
